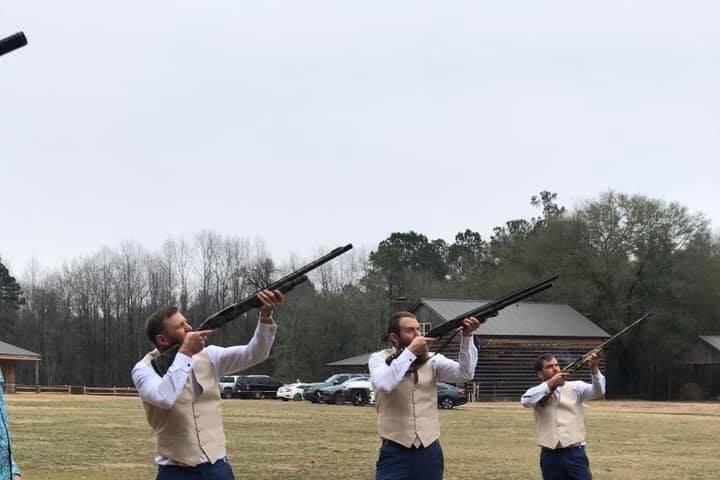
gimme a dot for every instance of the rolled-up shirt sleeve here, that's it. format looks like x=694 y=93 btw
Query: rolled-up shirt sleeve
x=587 y=391
x=386 y=377
x=162 y=391
x=463 y=370
x=229 y=360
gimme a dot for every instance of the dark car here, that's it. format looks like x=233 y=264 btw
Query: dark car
x=311 y=393
x=335 y=394
x=256 y=386
x=449 y=396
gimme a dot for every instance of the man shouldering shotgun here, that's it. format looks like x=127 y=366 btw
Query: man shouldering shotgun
x=178 y=380
x=559 y=408
x=405 y=377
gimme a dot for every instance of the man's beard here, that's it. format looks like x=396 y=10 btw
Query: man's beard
x=174 y=340
x=400 y=347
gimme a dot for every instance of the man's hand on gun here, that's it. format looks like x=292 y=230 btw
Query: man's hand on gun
x=470 y=324
x=593 y=359
x=194 y=342
x=269 y=299
x=420 y=345
x=558 y=380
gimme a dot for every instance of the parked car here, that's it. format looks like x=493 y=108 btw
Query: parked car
x=359 y=392
x=310 y=392
x=227 y=385
x=256 y=386
x=291 y=391
x=449 y=396
x=337 y=394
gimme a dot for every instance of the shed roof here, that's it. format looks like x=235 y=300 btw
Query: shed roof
x=713 y=340
x=352 y=361
x=11 y=351
x=526 y=319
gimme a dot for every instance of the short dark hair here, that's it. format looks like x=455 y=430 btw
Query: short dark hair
x=155 y=324
x=540 y=362
x=394 y=322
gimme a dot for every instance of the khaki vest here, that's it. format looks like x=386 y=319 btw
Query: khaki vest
x=193 y=426
x=561 y=423
x=410 y=410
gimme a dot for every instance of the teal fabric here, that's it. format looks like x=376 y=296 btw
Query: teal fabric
x=8 y=468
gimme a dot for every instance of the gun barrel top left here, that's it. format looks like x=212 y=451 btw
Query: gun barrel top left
x=13 y=42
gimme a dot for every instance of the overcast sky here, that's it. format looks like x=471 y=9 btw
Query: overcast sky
x=311 y=124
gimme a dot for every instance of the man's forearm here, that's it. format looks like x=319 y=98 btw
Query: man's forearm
x=241 y=357
x=594 y=390
x=463 y=370
x=598 y=382
x=467 y=358
x=386 y=377
x=162 y=391
x=535 y=394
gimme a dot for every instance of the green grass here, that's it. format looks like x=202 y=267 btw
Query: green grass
x=74 y=437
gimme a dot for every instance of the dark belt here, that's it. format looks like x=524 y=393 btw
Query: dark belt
x=385 y=442
x=199 y=466
x=552 y=450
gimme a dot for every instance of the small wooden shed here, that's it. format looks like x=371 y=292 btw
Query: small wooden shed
x=699 y=368
x=9 y=356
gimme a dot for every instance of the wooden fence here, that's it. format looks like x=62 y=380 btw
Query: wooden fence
x=78 y=390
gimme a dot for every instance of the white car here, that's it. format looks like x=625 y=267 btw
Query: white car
x=359 y=392
x=291 y=391
x=227 y=385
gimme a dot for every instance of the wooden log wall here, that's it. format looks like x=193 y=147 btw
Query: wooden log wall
x=505 y=368
x=8 y=371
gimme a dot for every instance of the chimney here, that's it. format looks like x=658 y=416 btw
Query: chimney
x=399 y=304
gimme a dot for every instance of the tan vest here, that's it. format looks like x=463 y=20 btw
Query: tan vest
x=193 y=426
x=410 y=409
x=561 y=422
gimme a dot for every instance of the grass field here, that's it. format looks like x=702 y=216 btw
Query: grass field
x=60 y=437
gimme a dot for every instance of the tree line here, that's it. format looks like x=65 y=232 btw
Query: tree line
x=618 y=256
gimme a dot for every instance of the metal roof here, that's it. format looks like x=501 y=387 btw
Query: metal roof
x=7 y=350
x=713 y=340
x=524 y=319
x=352 y=361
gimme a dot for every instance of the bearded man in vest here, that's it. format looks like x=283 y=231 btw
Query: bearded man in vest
x=406 y=398
x=183 y=406
x=559 y=408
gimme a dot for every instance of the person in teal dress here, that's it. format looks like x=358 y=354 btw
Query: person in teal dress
x=8 y=468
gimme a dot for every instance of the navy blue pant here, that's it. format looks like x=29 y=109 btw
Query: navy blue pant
x=565 y=464
x=401 y=463
x=219 y=470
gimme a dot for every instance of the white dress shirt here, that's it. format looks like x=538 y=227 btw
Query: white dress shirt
x=582 y=391
x=386 y=377
x=163 y=391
